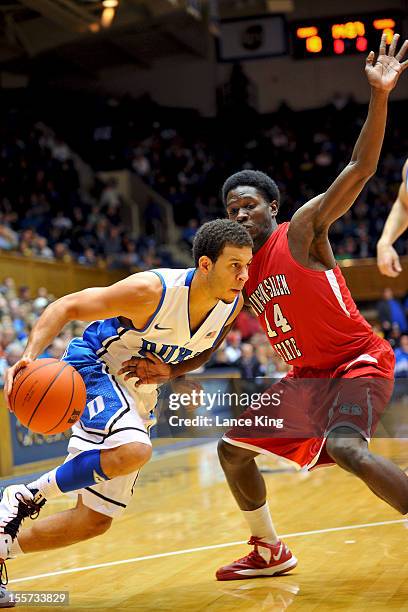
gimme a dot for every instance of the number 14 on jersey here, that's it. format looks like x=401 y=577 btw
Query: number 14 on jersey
x=279 y=321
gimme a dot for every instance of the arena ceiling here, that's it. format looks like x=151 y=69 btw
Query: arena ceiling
x=69 y=36
x=140 y=32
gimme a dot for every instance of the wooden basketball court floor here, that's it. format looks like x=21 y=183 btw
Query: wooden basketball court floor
x=182 y=524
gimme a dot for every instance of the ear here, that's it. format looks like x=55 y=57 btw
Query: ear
x=205 y=264
x=274 y=206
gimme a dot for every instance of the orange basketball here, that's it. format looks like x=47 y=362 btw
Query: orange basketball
x=48 y=396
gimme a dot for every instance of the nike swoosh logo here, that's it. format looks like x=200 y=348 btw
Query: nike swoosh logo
x=278 y=556
x=162 y=328
x=97 y=477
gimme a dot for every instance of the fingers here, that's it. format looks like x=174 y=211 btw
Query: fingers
x=387 y=270
x=134 y=361
x=396 y=266
x=390 y=267
x=7 y=393
x=383 y=44
x=124 y=369
x=384 y=266
x=129 y=364
x=370 y=58
x=9 y=406
x=137 y=367
x=130 y=375
x=402 y=51
x=134 y=370
x=10 y=377
x=153 y=358
x=393 y=45
x=8 y=385
x=391 y=51
x=404 y=66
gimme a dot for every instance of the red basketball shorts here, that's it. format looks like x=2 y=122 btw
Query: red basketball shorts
x=295 y=415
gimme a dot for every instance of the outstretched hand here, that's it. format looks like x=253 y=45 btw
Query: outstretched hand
x=385 y=72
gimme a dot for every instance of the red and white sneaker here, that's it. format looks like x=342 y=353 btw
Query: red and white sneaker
x=255 y=566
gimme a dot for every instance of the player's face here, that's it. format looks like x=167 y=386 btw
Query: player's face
x=228 y=275
x=247 y=206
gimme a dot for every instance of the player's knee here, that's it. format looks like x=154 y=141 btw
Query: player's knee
x=225 y=452
x=128 y=458
x=101 y=524
x=90 y=523
x=231 y=456
x=134 y=455
x=349 y=453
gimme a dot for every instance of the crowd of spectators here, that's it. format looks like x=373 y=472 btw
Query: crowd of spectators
x=186 y=159
x=45 y=213
x=303 y=152
x=393 y=318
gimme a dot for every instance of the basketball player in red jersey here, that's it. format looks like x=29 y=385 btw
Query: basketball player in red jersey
x=300 y=297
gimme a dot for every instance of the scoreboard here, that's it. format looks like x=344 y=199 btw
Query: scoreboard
x=337 y=36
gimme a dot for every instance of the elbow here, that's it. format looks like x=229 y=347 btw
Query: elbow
x=370 y=173
x=64 y=308
x=363 y=171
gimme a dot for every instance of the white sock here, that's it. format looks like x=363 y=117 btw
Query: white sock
x=15 y=549
x=261 y=526
x=47 y=485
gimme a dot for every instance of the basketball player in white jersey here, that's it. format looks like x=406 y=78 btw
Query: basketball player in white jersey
x=395 y=225
x=164 y=316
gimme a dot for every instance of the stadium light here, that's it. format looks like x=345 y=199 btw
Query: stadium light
x=108 y=14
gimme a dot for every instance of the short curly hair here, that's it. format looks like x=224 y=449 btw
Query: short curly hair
x=213 y=236
x=253 y=178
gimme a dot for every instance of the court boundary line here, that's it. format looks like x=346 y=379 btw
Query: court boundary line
x=186 y=551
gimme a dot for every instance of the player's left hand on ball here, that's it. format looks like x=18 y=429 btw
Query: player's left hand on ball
x=10 y=376
x=149 y=370
x=385 y=72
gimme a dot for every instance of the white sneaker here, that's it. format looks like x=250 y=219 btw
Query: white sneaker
x=5 y=600
x=16 y=504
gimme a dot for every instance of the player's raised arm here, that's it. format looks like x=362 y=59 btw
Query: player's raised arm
x=397 y=222
x=382 y=74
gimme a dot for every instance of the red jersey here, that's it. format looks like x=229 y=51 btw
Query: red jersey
x=309 y=315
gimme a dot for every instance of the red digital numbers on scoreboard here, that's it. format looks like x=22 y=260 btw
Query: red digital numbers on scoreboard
x=339 y=36
x=351 y=30
x=387 y=26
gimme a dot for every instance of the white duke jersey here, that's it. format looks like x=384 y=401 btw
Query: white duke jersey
x=167 y=334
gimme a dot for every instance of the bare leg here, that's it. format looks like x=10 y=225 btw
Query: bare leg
x=270 y=555
x=383 y=477
x=243 y=476
x=64 y=528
